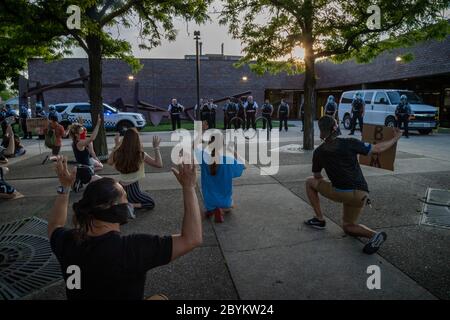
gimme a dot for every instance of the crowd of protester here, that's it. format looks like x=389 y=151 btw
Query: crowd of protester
x=115 y=265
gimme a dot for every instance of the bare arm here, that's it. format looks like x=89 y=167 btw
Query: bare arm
x=191 y=232
x=385 y=145
x=58 y=214
x=157 y=160
x=85 y=143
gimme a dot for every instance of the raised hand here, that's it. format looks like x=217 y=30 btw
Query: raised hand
x=186 y=175
x=156 y=141
x=66 y=177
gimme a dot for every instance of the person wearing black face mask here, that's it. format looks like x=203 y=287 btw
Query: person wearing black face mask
x=347 y=185
x=114 y=266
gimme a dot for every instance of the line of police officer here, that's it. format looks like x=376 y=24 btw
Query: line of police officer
x=402 y=112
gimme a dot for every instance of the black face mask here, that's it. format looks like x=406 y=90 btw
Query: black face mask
x=116 y=214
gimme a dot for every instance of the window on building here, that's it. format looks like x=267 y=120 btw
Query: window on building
x=381 y=98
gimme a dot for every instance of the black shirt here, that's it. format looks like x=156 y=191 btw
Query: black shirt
x=340 y=161
x=112 y=266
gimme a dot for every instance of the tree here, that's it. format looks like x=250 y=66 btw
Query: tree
x=334 y=29
x=44 y=23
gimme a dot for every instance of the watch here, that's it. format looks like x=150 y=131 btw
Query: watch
x=62 y=190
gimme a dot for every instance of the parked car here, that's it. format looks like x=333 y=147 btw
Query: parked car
x=114 y=119
x=381 y=105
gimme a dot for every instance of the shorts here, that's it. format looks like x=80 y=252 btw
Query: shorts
x=56 y=150
x=353 y=201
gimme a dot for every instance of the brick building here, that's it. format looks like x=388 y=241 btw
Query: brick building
x=161 y=79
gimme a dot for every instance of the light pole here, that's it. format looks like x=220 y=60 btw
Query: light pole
x=197 y=56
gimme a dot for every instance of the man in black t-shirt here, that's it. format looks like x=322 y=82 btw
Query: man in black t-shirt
x=97 y=261
x=339 y=158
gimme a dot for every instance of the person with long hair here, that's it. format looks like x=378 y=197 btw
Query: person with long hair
x=111 y=265
x=129 y=158
x=83 y=148
x=217 y=173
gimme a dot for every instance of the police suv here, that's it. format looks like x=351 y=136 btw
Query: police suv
x=114 y=119
x=381 y=105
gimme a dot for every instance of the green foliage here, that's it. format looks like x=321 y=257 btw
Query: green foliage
x=271 y=29
x=30 y=28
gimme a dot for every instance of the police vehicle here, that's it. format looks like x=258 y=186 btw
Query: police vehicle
x=115 y=120
x=380 y=109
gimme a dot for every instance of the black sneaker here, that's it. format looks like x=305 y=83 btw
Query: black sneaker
x=351 y=134
x=375 y=243
x=316 y=223
x=77 y=186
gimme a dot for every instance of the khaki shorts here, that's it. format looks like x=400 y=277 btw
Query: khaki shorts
x=353 y=201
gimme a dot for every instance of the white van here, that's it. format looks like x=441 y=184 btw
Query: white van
x=381 y=105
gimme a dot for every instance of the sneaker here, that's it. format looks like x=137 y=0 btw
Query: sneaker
x=375 y=243
x=351 y=134
x=45 y=160
x=316 y=223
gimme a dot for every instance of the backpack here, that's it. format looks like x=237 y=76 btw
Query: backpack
x=50 y=138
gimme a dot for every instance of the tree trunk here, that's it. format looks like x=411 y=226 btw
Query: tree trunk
x=310 y=96
x=95 y=92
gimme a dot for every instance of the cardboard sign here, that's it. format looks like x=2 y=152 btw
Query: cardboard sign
x=375 y=134
x=37 y=124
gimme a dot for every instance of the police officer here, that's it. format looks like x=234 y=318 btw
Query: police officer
x=358 y=109
x=241 y=112
x=24 y=115
x=232 y=112
x=251 y=107
x=205 y=113
x=212 y=113
x=175 y=110
x=402 y=114
x=331 y=109
x=267 y=111
x=283 y=114
x=40 y=113
x=52 y=111
x=225 y=113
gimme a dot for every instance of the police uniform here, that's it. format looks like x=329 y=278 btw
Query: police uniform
x=331 y=109
x=23 y=115
x=357 y=114
x=205 y=114
x=232 y=112
x=250 y=113
x=402 y=114
x=241 y=113
x=212 y=115
x=267 y=110
x=283 y=112
x=175 y=115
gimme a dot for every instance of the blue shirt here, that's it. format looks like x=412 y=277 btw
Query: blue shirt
x=218 y=190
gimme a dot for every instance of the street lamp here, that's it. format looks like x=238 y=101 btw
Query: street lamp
x=244 y=78
x=197 y=60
